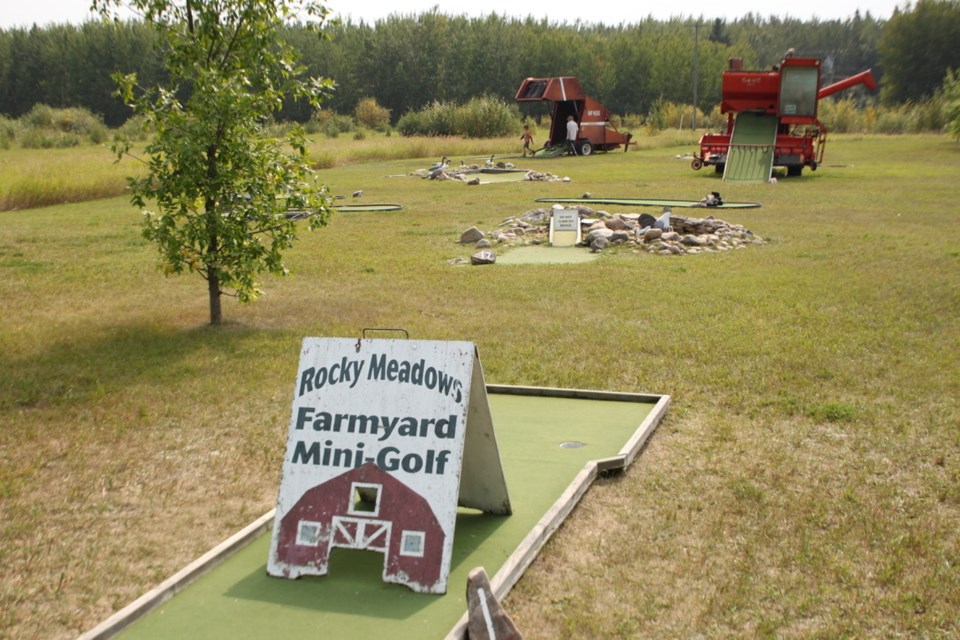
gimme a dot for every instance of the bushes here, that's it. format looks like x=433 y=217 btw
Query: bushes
x=951 y=102
x=44 y=127
x=844 y=115
x=8 y=131
x=670 y=115
x=330 y=123
x=371 y=115
x=137 y=127
x=479 y=118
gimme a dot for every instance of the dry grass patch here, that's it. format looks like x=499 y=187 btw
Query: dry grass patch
x=804 y=484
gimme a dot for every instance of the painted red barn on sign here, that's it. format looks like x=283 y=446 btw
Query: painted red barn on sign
x=368 y=509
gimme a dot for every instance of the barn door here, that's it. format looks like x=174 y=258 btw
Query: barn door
x=364 y=534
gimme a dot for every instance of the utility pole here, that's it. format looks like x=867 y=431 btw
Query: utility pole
x=696 y=73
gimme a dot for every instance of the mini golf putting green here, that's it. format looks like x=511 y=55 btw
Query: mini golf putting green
x=546 y=255
x=490 y=176
x=651 y=202
x=346 y=208
x=553 y=443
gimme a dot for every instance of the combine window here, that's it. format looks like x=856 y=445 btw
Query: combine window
x=534 y=89
x=798 y=91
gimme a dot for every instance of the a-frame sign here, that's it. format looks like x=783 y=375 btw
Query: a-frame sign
x=386 y=438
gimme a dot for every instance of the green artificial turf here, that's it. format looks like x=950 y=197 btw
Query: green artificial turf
x=238 y=600
x=651 y=202
x=532 y=255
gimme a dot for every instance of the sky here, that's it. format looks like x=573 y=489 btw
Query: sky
x=24 y=13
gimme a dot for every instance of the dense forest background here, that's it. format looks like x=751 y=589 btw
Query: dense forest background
x=406 y=62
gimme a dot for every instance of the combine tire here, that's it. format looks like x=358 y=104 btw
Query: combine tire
x=696 y=164
x=795 y=170
x=585 y=149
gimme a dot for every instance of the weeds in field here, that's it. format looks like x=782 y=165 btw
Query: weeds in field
x=804 y=484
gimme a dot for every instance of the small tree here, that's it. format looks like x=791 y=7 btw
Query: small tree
x=369 y=114
x=220 y=188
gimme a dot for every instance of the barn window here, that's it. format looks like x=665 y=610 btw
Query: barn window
x=308 y=533
x=411 y=543
x=365 y=499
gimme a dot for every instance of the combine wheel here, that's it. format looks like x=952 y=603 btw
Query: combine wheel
x=795 y=170
x=585 y=148
x=696 y=164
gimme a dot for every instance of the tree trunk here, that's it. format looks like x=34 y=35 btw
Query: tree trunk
x=213 y=288
x=213 y=278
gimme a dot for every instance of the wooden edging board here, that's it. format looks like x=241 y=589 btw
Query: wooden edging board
x=523 y=555
x=180 y=580
x=504 y=579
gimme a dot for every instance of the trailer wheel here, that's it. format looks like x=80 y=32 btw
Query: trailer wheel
x=585 y=148
x=696 y=164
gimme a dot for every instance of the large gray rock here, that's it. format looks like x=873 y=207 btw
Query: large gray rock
x=652 y=234
x=601 y=232
x=471 y=235
x=483 y=257
x=598 y=244
x=615 y=224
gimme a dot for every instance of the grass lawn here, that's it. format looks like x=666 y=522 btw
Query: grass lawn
x=806 y=482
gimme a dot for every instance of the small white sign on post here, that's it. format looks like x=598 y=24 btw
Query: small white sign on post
x=564 y=227
x=386 y=438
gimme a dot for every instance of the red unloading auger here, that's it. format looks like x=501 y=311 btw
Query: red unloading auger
x=864 y=77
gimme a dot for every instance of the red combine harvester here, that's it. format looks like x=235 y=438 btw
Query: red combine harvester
x=596 y=131
x=772 y=119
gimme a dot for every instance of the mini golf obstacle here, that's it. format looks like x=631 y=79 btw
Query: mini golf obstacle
x=295 y=214
x=384 y=207
x=567 y=99
x=772 y=119
x=386 y=439
x=651 y=202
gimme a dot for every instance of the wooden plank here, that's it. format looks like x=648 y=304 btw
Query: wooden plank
x=520 y=559
x=179 y=581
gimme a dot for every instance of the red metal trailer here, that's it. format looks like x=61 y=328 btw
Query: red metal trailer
x=787 y=96
x=568 y=99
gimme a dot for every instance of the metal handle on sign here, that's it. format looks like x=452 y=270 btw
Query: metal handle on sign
x=363 y=334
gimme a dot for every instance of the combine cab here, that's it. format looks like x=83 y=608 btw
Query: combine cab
x=568 y=99
x=771 y=120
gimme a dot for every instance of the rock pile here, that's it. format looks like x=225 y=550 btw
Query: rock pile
x=669 y=234
x=470 y=173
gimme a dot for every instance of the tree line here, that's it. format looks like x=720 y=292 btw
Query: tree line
x=407 y=62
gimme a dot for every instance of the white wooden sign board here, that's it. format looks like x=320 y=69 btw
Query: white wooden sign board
x=564 y=227
x=386 y=438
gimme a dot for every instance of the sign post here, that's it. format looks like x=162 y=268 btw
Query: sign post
x=564 y=227
x=386 y=438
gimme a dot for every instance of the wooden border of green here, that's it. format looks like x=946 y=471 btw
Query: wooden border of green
x=501 y=582
x=523 y=555
x=180 y=580
x=650 y=202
